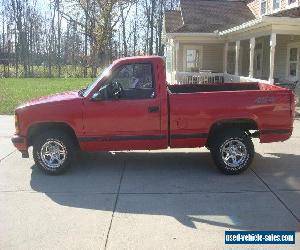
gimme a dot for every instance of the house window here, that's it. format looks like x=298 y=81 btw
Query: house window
x=292 y=2
x=192 y=60
x=276 y=5
x=293 y=63
x=263 y=7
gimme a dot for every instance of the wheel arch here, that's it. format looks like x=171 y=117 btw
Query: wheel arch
x=39 y=128
x=245 y=124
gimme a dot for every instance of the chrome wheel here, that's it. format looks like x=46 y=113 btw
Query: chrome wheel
x=234 y=153
x=53 y=154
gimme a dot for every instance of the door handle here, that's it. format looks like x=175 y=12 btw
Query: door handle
x=153 y=109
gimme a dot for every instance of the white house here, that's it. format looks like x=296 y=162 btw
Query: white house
x=231 y=40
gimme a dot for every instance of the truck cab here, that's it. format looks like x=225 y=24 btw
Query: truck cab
x=127 y=109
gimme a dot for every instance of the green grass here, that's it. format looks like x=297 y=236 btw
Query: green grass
x=15 y=91
x=67 y=71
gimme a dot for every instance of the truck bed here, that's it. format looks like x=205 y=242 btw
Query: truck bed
x=194 y=88
x=196 y=108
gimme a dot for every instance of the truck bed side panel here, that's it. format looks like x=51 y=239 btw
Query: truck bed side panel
x=192 y=115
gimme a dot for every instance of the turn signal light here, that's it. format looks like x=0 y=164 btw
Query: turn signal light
x=17 y=124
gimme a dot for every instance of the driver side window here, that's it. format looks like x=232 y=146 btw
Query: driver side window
x=132 y=81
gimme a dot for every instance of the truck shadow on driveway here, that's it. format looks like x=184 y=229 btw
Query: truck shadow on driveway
x=185 y=186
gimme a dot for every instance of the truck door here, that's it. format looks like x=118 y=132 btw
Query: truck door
x=126 y=112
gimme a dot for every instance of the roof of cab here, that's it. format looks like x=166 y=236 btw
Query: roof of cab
x=139 y=59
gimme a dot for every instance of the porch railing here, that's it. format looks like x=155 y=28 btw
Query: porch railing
x=209 y=77
x=233 y=78
x=199 y=78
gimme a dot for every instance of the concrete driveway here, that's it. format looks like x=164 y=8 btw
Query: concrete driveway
x=172 y=199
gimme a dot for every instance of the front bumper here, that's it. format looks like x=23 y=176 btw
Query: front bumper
x=20 y=142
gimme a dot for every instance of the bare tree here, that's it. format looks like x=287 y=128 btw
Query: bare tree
x=83 y=33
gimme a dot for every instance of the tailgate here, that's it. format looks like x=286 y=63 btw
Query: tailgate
x=277 y=113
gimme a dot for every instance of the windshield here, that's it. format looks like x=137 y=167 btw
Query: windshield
x=93 y=84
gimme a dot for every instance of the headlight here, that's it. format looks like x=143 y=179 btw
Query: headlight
x=17 y=125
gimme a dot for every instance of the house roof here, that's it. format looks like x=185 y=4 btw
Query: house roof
x=173 y=20
x=294 y=12
x=207 y=16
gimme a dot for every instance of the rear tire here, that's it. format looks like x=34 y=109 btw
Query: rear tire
x=53 y=152
x=232 y=151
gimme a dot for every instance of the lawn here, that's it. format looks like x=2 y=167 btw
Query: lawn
x=15 y=91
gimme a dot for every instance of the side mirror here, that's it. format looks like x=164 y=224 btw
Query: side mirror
x=117 y=90
x=116 y=93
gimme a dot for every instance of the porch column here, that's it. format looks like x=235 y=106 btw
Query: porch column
x=173 y=59
x=176 y=55
x=173 y=55
x=225 y=58
x=237 y=57
x=251 y=64
x=273 y=42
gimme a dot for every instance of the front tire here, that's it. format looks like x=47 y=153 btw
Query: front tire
x=232 y=151
x=53 y=152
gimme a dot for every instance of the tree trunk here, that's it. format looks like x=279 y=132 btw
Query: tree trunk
x=135 y=29
x=151 y=43
x=125 y=50
x=58 y=37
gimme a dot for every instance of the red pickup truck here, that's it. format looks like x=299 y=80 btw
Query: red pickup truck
x=131 y=107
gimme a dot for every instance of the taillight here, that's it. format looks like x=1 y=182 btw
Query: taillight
x=17 y=125
x=293 y=105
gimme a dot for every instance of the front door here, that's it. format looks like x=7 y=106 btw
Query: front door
x=128 y=114
x=293 y=63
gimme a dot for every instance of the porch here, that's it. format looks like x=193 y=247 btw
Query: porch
x=265 y=51
x=272 y=58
